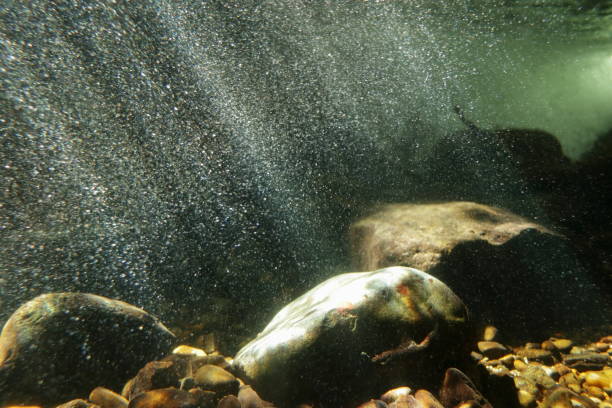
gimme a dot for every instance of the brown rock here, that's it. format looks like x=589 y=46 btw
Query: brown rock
x=562 y=344
x=562 y=398
x=601 y=379
x=229 y=401
x=165 y=398
x=457 y=388
x=539 y=355
x=586 y=361
x=395 y=394
x=154 y=375
x=492 y=349
x=490 y=332
x=250 y=399
x=214 y=378
x=106 y=398
x=373 y=404
x=427 y=400
x=75 y=403
x=467 y=246
x=537 y=375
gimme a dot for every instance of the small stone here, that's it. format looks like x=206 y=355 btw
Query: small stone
x=537 y=375
x=548 y=345
x=595 y=392
x=539 y=355
x=395 y=394
x=601 y=379
x=214 y=378
x=165 y=398
x=427 y=400
x=532 y=345
x=207 y=399
x=189 y=351
x=490 y=332
x=508 y=360
x=75 y=403
x=250 y=399
x=562 y=344
x=526 y=398
x=106 y=398
x=492 y=349
x=373 y=404
x=606 y=339
x=599 y=347
x=561 y=369
x=154 y=375
x=519 y=365
x=229 y=401
x=586 y=361
x=476 y=356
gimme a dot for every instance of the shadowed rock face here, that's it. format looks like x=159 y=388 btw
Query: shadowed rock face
x=355 y=335
x=508 y=270
x=60 y=346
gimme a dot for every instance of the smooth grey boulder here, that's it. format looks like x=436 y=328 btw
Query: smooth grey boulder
x=355 y=336
x=60 y=346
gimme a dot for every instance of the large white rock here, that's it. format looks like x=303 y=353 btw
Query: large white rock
x=355 y=335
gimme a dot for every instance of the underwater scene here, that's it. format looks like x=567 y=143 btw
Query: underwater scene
x=306 y=204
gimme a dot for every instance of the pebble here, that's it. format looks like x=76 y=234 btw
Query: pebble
x=519 y=365
x=229 y=401
x=427 y=400
x=106 y=398
x=476 y=356
x=526 y=398
x=601 y=379
x=537 y=375
x=492 y=349
x=373 y=404
x=490 y=332
x=250 y=399
x=75 y=403
x=165 y=398
x=586 y=361
x=394 y=394
x=214 y=378
x=536 y=354
x=184 y=350
x=562 y=344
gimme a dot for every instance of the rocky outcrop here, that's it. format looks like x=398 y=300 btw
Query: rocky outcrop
x=62 y=345
x=503 y=266
x=354 y=336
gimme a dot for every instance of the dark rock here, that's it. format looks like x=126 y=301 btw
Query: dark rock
x=492 y=349
x=77 y=403
x=539 y=355
x=457 y=389
x=62 y=345
x=165 y=398
x=106 y=398
x=388 y=328
x=229 y=401
x=154 y=375
x=493 y=259
x=214 y=378
x=587 y=361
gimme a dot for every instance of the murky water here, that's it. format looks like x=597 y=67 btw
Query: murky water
x=172 y=152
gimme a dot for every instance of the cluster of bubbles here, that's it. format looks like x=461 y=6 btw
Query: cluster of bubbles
x=159 y=151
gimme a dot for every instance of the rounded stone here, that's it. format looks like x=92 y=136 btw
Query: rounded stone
x=562 y=344
x=214 y=378
x=537 y=354
x=395 y=394
x=106 y=398
x=601 y=379
x=69 y=343
x=492 y=349
x=490 y=333
x=184 y=350
x=526 y=398
x=165 y=398
x=229 y=401
x=391 y=326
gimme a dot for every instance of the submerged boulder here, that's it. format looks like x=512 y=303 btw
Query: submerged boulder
x=510 y=271
x=62 y=345
x=354 y=336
